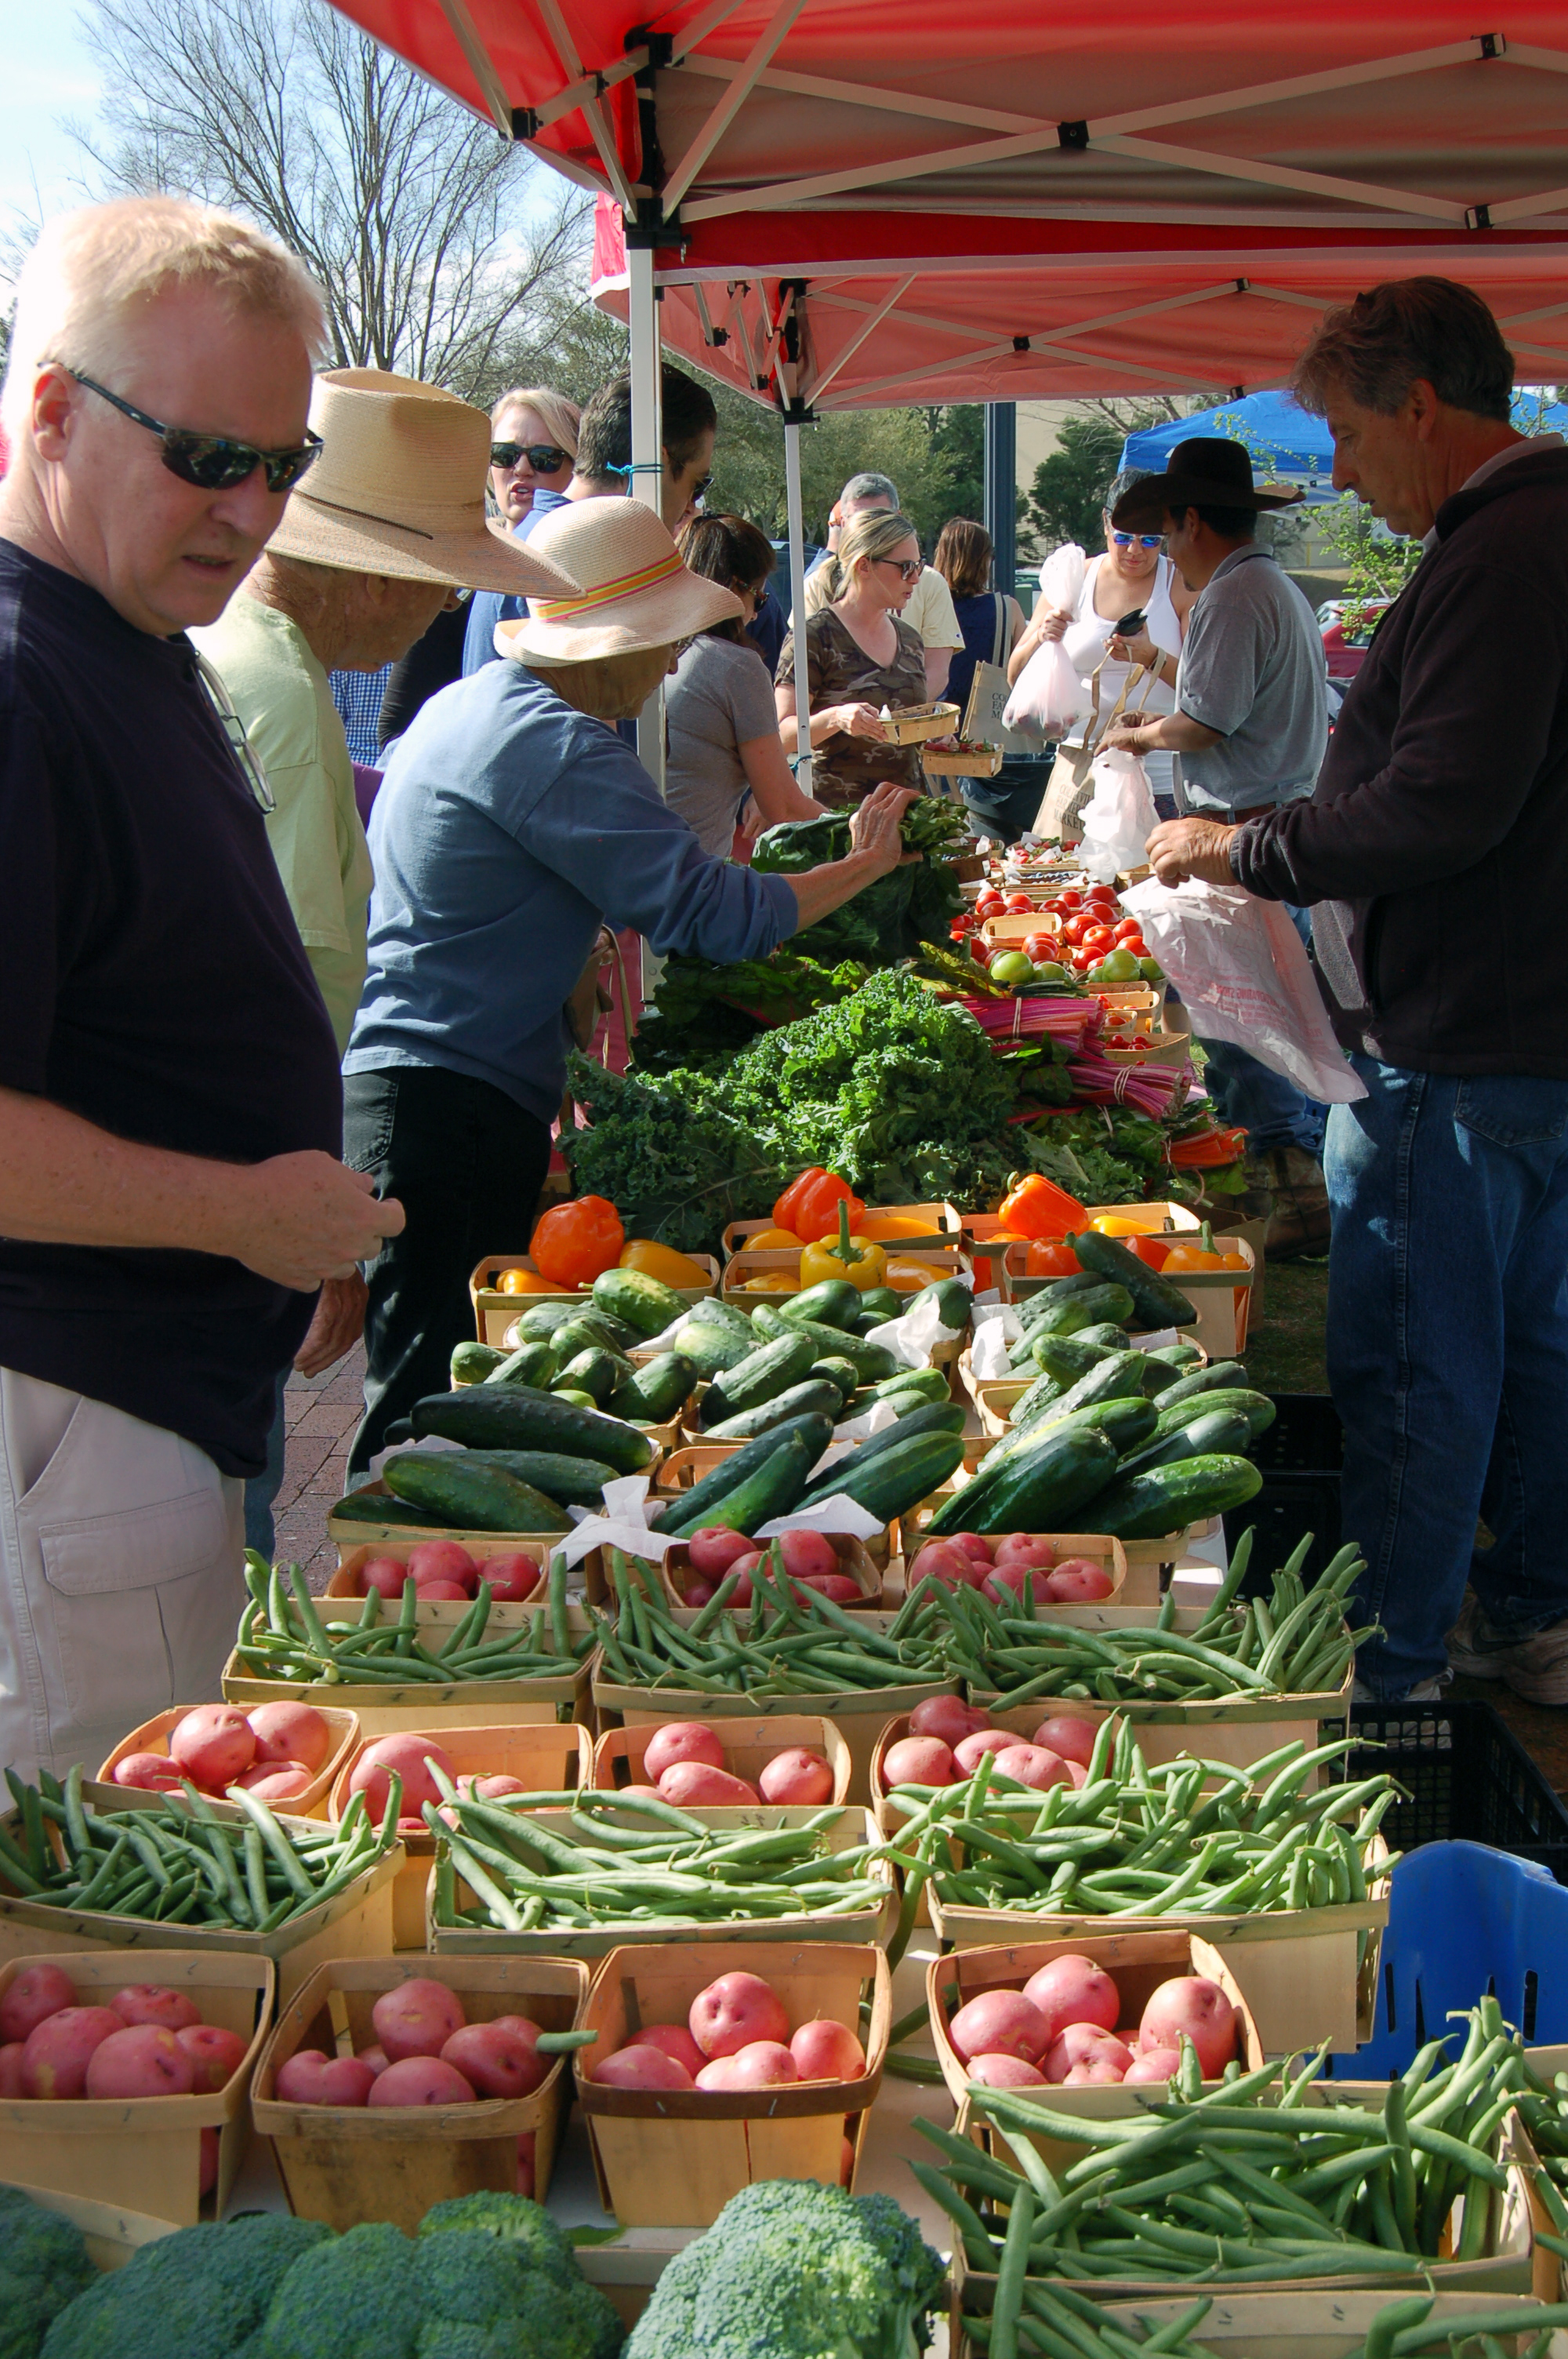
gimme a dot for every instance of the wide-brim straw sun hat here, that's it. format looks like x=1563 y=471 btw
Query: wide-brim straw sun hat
x=1206 y=471
x=634 y=593
x=399 y=489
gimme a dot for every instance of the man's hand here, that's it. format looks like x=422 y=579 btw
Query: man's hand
x=874 y=828
x=302 y=1219
x=859 y=721
x=1180 y=848
x=1129 y=737
x=336 y=1325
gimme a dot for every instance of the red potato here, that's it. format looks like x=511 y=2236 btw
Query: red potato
x=1026 y=1547
x=33 y=1995
x=838 y=1588
x=388 y=1574
x=918 y=1761
x=1031 y=1764
x=490 y=1789
x=1079 y=1580
x=213 y=1745
x=648 y=1793
x=809 y=1556
x=641 y=2067
x=973 y=1544
x=443 y=1560
x=718 y=2074
x=407 y=1754
x=1099 y=2071
x=762 y=2064
x=968 y=1755
x=946 y=1562
x=291 y=1732
x=1153 y=2064
x=1005 y=1581
x=825 y=2050
x=1193 y=2004
x=1079 y=1773
x=216 y=2055
x=698 y=1591
x=153 y=1773
x=1086 y=2043
x=498 y=2063
x=797 y=1775
x=140 y=2060
x=1000 y=2023
x=155 y=2003
x=417 y=2018
x=1073 y=1989
x=276 y=1781
x=11 y=2069
x=298 y=2079
x=442 y=1593
x=734 y=2013
x=206 y=2165
x=420 y=2081
x=671 y=2040
x=511 y=1577
x=376 y=2057
x=681 y=1740
x=1005 y=2072
x=59 y=2050
x=686 y=1782
x=714 y=1549
x=947 y=1717
x=1073 y=1739
x=346 y=2081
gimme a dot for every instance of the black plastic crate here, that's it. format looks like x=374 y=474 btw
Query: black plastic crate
x=1284 y=1511
x=1469 y=1778
x=1306 y=1437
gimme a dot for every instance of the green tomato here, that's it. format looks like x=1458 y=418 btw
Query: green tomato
x=1151 y=969
x=1011 y=967
x=1052 y=972
x=1117 y=966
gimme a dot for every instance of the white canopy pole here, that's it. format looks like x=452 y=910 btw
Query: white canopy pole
x=795 y=507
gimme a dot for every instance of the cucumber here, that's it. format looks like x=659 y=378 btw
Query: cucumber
x=903 y=1403
x=1159 y=1376
x=656 y=1391
x=1042 y=1490
x=929 y=1383
x=1180 y=1355
x=878 y=1304
x=1065 y=1357
x=375 y=1508
x=773 y=1487
x=832 y=1302
x=1119 y=1377
x=760 y=1376
x=1035 y=1306
x=711 y=1311
x=471 y=1362
x=530 y=1364
x=639 y=1301
x=835 y=1371
x=1041 y=1394
x=507 y=1416
x=1155 y=1302
x=586 y=1332
x=1146 y=1507
x=1129 y=1421
x=874 y=1361
x=932 y=1417
x=1255 y=1408
x=1224 y=1430
x=1219 y=1377
x=575 y=1397
x=1109 y=1335
x=538 y=1323
x=697 y=1506
x=892 y=1482
x=596 y=1372
x=793 y=1403
x=470 y=1494
x=712 y=1348
x=955 y=1301
x=1100 y=1305
x=569 y=1482
x=400 y=1430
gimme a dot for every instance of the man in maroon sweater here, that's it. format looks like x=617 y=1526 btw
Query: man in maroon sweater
x=1434 y=855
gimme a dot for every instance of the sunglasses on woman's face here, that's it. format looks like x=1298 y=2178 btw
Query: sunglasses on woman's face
x=912 y=568
x=1139 y=540
x=542 y=457
x=212 y=461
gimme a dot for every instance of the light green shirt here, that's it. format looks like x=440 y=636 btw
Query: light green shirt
x=283 y=696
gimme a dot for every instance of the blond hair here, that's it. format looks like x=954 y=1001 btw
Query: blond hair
x=90 y=269
x=873 y=533
x=561 y=417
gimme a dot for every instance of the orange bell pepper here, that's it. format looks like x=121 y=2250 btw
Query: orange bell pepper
x=890 y=1228
x=1051 y=1258
x=1202 y=1255
x=574 y=1243
x=772 y=1241
x=526 y=1281
x=1036 y=1207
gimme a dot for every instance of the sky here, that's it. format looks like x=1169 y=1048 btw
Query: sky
x=46 y=72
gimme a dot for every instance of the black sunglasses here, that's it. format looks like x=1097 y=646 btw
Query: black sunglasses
x=212 y=461
x=542 y=457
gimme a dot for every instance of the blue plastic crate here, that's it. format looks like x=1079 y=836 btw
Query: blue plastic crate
x=1466 y=1919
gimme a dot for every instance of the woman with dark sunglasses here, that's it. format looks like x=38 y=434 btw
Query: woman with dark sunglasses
x=862 y=660
x=532 y=448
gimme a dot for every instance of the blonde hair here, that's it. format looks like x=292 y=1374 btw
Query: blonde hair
x=873 y=533
x=92 y=268
x=561 y=417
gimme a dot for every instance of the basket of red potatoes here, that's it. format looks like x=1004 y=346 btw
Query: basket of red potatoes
x=1049 y=2014
x=835 y=1566
x=442 y=1571
x=81 y=2046
x=435 y=2086
x=944 y=1740
x=697 y=2083
x=286 y=1754
x=1057 y=1571
x=692 y=1762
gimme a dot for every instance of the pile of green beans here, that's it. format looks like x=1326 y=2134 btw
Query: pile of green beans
x=1186 y=1836
x=186 y=1865
x=284 y=1637
x=1061 y=2323
x=790 y=1642
x=629 y=1859
x=1545 y=2106
x=1295 y=1643
x=1247 y=2183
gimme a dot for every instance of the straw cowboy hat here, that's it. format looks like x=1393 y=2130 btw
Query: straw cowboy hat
x=399 y=489
x=1208 y=471
x=635 y=594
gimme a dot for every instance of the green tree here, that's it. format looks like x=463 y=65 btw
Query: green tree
x=1064 y=501
x=930 y=454
x=1381 y=561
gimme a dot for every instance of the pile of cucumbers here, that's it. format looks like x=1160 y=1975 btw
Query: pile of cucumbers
x=580 y=1352
x=772 y=1476
x=807 y=1352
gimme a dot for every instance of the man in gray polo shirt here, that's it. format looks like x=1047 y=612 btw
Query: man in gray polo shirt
x=1251 y=729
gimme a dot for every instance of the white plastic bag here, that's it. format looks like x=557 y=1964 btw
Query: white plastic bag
x=1119 y=816
x=1242 y=970
x=1048 y=696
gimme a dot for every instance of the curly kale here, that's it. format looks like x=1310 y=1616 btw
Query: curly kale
x=702 y=1013
x=890 y=918
x=43 y=2266
x=201 y=2294
x=794 y=2269
x=674 y=1156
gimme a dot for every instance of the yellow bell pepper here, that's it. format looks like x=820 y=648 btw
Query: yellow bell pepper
x=773 y=1241
x=890 y=1228
x=771 y=1281
x=671 y=1269
x=863 y=1263
x=906 y=1276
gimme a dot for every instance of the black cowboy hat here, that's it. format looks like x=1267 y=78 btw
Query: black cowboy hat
x=1207 y=471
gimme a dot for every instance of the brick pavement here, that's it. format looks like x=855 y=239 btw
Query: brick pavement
x=322 y=1414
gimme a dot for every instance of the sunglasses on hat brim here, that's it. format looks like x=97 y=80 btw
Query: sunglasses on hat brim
x=545 y=458
x=213 y=462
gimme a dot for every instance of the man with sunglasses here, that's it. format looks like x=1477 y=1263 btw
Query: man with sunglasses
x=171 y=1197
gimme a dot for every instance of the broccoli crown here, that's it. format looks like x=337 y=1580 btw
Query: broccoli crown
x=200 y=2294
x=516 y=2220
x=794 y=2269
x=43 y=2265
x=570 y=2319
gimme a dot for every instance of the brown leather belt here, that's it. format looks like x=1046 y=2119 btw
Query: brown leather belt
x=1259 y=811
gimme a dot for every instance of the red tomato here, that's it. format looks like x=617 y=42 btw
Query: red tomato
x=1127 y=929
x=1098 y=938
x=1040 y=947
x=1083 y=961
x=979 y=952
x=1073 y=931
x=1133 y=942
x=1019 y=905
x=1070 y=898
x=988 y=901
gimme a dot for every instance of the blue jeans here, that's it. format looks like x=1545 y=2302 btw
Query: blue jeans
x=263 y=1489
x=1448 y=1355
x=1254 y=1098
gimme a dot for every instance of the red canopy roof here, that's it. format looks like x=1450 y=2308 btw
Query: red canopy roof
x=1029 y=200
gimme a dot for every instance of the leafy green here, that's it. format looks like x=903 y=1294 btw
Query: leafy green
x=892 y=915
x=671 y=1155
x=700 y=1012
x=1101 y=1155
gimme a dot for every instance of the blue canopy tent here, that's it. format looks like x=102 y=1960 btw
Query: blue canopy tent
x=1288 y=442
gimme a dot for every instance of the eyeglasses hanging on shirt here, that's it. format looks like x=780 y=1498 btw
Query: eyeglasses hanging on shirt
x=233 y=729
